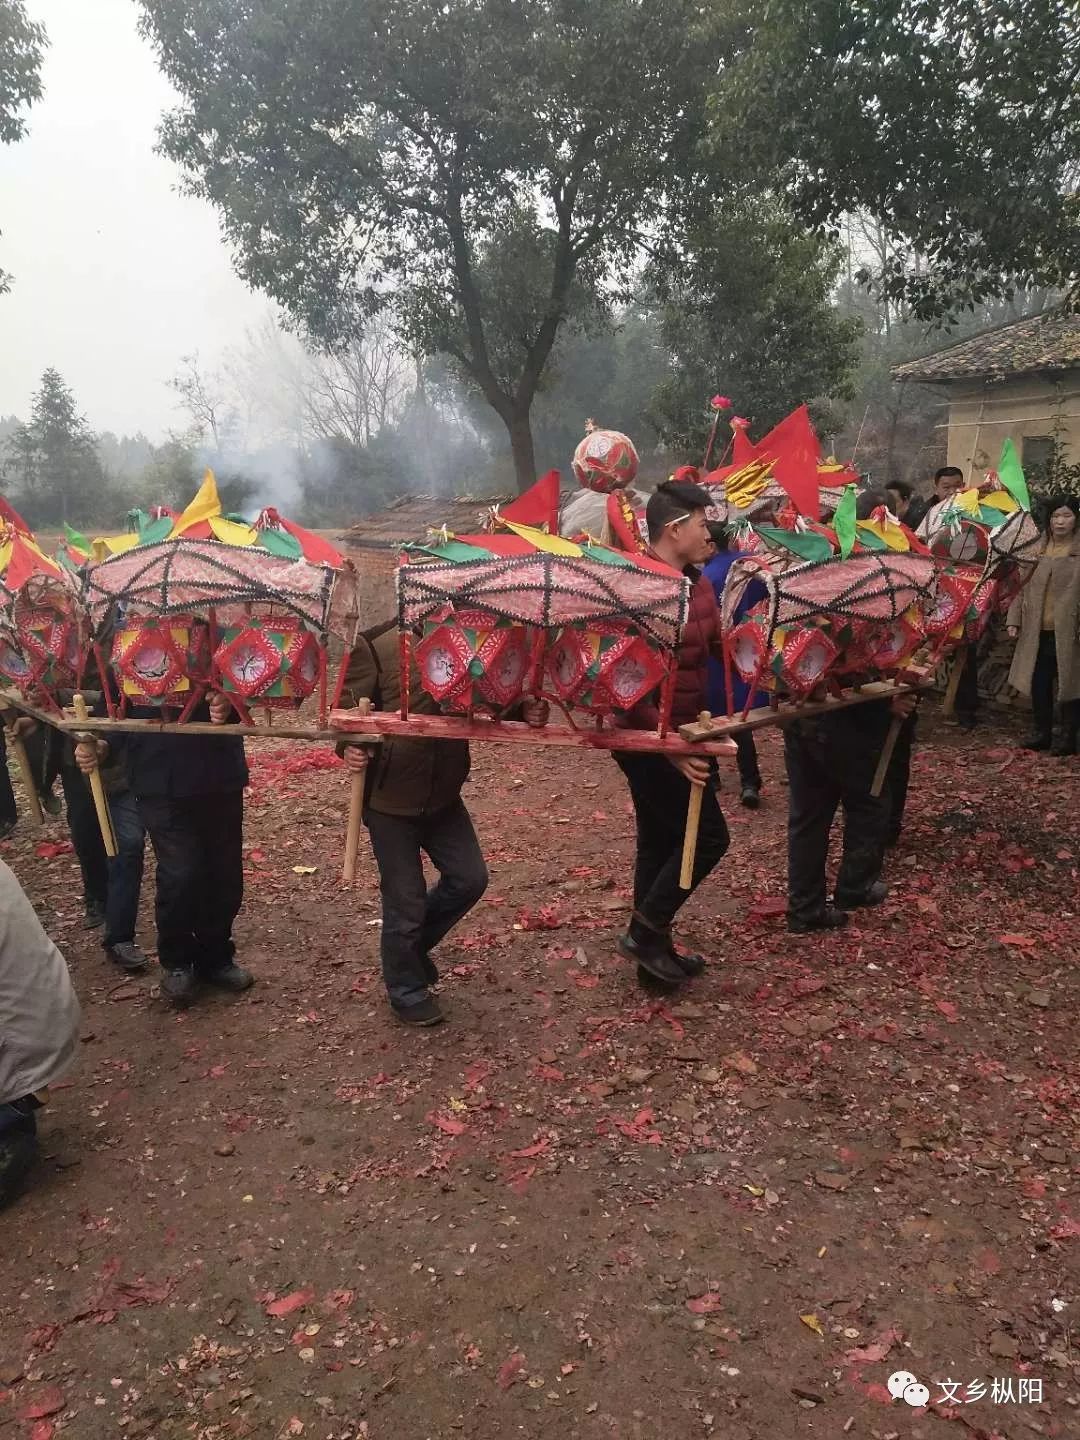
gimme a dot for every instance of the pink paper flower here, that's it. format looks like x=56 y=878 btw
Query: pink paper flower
x=720 y=402
x=738 y=423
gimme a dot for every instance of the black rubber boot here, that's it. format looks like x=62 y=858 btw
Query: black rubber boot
x=648 y=949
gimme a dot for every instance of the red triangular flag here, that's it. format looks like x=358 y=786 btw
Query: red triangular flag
x=316 y=550
x=26 y=560
x=743 y=449
x=538 y=507
x=795 y=451
x=13 y=518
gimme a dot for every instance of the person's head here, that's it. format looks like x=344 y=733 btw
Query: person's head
x=899 y=494
x=948 y=481
x=720 y=536
x=678 y=529
x=1061 y=516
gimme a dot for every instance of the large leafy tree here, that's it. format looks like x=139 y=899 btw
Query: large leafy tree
x=748 y=311
x=954 y=124
x=53 y=460
x=481 y=166
x=21 y=46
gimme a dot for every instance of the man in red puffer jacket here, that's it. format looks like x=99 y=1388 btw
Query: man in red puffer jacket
x=659 y=785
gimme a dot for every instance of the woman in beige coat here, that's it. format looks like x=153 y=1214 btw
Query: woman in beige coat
x=1044 y=620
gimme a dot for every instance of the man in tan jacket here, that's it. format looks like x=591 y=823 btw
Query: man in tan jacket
x=39 y=1027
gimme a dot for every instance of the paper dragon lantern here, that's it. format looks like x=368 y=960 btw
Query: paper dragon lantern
x=605 y=460
x=472 y=660
x=211 y=602
x=522 y=612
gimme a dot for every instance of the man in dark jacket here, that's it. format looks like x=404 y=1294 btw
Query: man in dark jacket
x=413 y=807
x=659 y=785
x=190 y=795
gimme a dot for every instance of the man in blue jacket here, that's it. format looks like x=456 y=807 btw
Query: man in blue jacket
x=190 y=794
x=716 y=572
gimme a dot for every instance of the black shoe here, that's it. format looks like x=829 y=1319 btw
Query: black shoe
x=229 y=977
x=18 y=1151
x=877 y=892
x=95 y=915
x=689 y=962
x=424 y=1014
x=1038 y=741
x=178 y=987
x=648 y=950
x=1065 y=747
x=827 y=919
x=131 y=958
x=750 y=797
x=652 y=986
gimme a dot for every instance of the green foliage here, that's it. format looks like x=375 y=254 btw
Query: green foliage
x=1058 y=475
x=21 y=44
x=956 y=125
x=476 y=166
x=53 y=462
x=748 y=311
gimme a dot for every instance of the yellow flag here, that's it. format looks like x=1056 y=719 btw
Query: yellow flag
x=552 y=544
x=114 y=545
x=968 y=502
x=5 y=555
x=892 y=535
x=1000 y=500
x=231 y=533
x=205 y=505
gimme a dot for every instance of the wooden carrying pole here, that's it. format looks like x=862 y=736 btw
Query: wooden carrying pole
x=97 y=788
x=885 y=759
x=17 y=746
x=356 y=805
x=693 y=821
x=948 y=705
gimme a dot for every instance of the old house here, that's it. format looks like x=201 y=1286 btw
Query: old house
x=1020 y=381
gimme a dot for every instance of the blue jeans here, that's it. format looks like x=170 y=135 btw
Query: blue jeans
x=125 y=870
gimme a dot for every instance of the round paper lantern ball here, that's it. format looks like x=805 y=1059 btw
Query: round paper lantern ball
x=606 y=460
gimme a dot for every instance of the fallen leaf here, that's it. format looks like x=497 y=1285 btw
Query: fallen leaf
x=304 y=869
x=447 y=1123
x=707 y=1304
x=876 y=1351
x=813 y=1323
x=289 y=1304
x=510 y=1370
x=538 y=1147
x=1021 y=942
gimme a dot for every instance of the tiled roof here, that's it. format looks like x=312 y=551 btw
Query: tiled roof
x=1050 y=341
x=411 y=517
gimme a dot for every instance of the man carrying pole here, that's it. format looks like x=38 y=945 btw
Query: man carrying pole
x=661 y=787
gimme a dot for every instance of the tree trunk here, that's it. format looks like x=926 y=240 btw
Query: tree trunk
x=521 y=447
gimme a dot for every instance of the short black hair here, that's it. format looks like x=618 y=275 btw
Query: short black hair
x=948 y=470
x=671 y=501
x=719 y=534
x=868 y=501
x=902 y=488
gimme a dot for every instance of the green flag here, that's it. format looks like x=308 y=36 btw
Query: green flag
x=1011 y=475
x=844 y=521
x=79 y=543
x=806 y=544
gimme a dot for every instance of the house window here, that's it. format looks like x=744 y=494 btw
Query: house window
x=1036 y=451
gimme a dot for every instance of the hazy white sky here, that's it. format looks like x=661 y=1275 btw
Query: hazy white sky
x=116 y=275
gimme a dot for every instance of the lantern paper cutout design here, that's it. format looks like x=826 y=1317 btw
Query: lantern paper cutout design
x=748 y=646
x=471 y=658
x=897 y=642
x=801 y=658
x=161 y=659
x=603 y=668
x=605 y=460
x=950 y=606
x=275 y=662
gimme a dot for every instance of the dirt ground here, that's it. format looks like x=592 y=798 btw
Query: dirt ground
x=575 y=1211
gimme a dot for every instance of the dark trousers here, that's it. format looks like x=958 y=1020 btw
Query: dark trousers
x=415 y=918
x=967 y=692
x=198 y=843
x=899 y=778
x=85 y=834
x=125 y=870
x=747 y=761
x=1043 y=682
x=831 y=762
x=8 y=812
x=661 y=796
